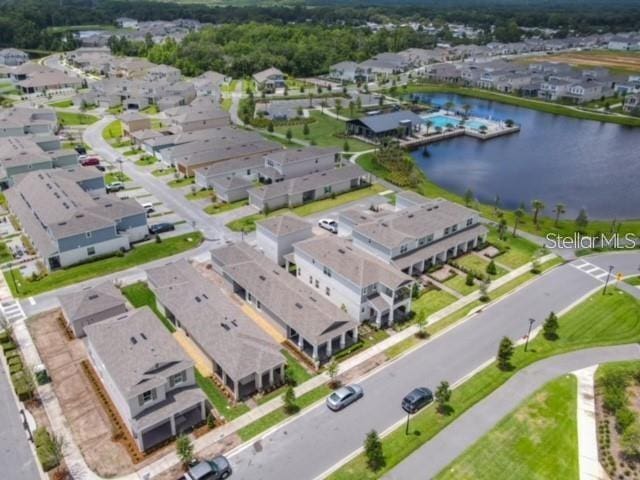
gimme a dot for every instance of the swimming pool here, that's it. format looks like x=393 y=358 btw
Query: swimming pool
x=443 y=121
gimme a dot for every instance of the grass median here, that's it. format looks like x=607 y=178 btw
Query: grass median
x=148 y=252
x=601 y=320
x=538 y=440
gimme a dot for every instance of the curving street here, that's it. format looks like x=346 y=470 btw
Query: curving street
x=307 y=447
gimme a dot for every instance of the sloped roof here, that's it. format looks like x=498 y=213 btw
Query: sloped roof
x=91 y=301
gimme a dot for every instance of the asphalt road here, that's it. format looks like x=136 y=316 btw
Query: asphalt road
x=431 y=458
x=16 y=460
x=313 y=443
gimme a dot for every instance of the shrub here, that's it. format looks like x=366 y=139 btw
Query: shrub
x=45 y=449
x=624 y=418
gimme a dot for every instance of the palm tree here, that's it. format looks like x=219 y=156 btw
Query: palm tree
x=483 y=129
x=352 y=107
x=560 y=209
x=449 y=105
x=428 y=124
x=449 y=126
x=518 y=214
x=466 y=108
x=537 y=206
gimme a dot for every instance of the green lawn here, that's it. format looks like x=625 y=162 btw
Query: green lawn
x=296 y=369
x=221 y=207
x=181 y=182
x=517 y=250
x=635 y=281
x=198 y=195
x=248 y=223
x=62 y=104
x=226 y=104
x=610 y=319
x=150 y=110
x=430 y=302
x=74 y=118
x=160 y=172
x=277 y=416
x=116 y=177
x=458 y=283
x=146 y=161
x=112 y=131
x=115 y=110
x=5 y=254
x=218 y=400
x=478 y=264
x=539 y=440
x=324 y=132
x=79 y=273
x=139 y=295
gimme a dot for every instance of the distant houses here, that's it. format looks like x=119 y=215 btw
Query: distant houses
x=12 y=57
x=269 y=80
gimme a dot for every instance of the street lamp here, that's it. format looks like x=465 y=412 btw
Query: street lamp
x=604 y=291
x=406 y=428
x=526 y=343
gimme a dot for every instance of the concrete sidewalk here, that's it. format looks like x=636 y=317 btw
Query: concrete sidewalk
x=589 y=465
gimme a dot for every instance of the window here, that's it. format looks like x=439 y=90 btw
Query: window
x=327 y=189
x=258 y=305
x=403 y=248
x=446 y=231
x=469 y=222
x=91 y=251
x=177 y=379
x=310 y=280
x=327 y=271
x=88 y=234
x=299 y=272
x=327 y=291
x=317 y=283
x=454 y=228
x=146 y=397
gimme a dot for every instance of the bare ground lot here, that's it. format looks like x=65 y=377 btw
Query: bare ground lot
x=622 y=61
x=89 y=423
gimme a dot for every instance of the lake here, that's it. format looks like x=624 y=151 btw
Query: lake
x=580 y=163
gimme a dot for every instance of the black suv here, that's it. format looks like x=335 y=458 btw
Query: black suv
x=416 y=399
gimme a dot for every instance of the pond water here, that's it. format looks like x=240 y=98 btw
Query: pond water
x=580 y=163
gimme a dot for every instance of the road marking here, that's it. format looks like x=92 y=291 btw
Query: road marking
x=590 y=269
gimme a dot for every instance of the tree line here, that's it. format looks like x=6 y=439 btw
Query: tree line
x=26 y=23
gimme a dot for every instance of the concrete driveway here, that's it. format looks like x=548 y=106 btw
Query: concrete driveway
x=313 y=443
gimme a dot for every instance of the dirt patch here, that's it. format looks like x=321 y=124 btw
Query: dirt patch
x=443 y=274
x=629 y=62
x=362 y=369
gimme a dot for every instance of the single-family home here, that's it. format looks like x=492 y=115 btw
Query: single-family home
x=245 y=168
x=295 y=162
x=147 y=375
x=347 y=72
x=269 y=80
x=201 y=115
x=19 y=121
x=13 y=57
x=133 y=121
x=91 y=305
x=244 y=358
x=632 y=103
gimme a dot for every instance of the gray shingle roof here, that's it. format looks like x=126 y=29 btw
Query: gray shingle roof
x=293 y=155
x=308 y=182
x=284 y=225
x=216 y=324
x=414 y=222
x=358 y=267
x=91 y=301
x=389 y=121
x=291 y=300
x=137 y=351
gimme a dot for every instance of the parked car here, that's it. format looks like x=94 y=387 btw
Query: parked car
x=115 y=187
x=416 y=399
x=328 y=224
x=148 y=207
x=101 y=168
x=344 y=396
x=216 y=469
x=161 y=228
x=80 y=149
x=90 y=162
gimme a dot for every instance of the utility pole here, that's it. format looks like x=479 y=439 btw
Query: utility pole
x=604 y=291
x=526 y=343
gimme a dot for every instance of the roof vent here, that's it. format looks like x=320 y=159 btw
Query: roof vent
x=341 y=251
x=144 y=337
x=234 y=322
x=93 y=296
x=198 y=299
x=299 y=305
x=205 y=296
x=133 y=340
x=225 y=326
x=262 y=277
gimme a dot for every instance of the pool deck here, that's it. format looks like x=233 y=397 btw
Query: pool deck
x=419 y=140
